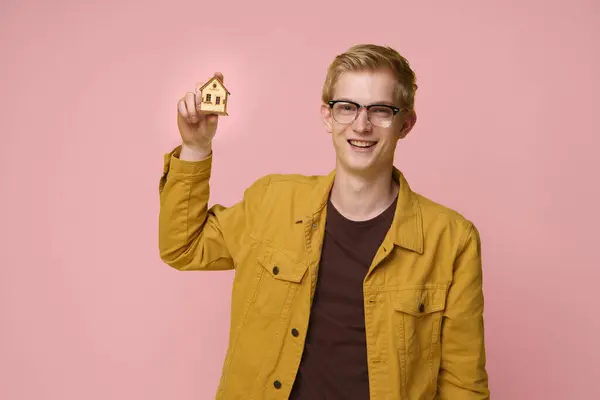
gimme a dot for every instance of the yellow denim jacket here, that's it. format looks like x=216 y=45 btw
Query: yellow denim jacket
x=423 y=297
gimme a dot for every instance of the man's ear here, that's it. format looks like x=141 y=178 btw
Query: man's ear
x=409 y=122
x=327 y=117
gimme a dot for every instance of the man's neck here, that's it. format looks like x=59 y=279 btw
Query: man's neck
x=360 y=198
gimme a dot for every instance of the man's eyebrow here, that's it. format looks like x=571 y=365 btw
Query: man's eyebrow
x=383 y=102
x=346 y=99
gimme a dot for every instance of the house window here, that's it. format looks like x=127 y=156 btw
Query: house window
x=218 y=100
x=208 y=97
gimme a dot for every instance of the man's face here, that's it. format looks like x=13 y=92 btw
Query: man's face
x=362 y=147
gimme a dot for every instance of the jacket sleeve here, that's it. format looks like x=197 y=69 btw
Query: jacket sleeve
x=463 y=365
x=192 y=236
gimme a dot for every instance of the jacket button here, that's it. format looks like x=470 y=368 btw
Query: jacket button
x=275 y=270
x=295 y=332
x=277 y=384
x=421 y=307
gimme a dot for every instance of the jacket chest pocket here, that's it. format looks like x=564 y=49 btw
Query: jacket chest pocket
x=280 y=275
x=418 y=312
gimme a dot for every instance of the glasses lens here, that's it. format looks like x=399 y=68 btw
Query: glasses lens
x=344 y=112
x=381 y=116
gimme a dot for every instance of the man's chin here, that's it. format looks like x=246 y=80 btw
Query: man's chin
x=357 y=167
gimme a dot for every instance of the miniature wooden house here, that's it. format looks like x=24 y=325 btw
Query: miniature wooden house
x=214 y=97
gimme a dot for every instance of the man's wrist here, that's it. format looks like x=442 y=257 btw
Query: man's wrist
x=195 y=153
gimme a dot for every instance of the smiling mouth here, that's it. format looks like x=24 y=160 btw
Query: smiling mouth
x=362 y=144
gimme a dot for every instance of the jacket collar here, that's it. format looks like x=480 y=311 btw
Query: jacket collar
x=407 y=226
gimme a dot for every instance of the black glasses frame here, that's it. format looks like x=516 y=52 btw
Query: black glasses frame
x=394 y=109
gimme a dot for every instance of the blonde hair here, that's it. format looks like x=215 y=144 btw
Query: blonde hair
x=370 y=57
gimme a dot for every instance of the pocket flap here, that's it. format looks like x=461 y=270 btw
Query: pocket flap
x=420 y=300
x=282 y=266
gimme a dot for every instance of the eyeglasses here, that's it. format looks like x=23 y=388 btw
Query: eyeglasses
x=381 y=115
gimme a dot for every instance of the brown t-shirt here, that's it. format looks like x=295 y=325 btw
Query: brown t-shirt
x=334 y=362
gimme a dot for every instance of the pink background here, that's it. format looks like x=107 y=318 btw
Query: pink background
x=507 y=134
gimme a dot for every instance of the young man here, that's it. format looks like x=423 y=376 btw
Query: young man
x=347 y=286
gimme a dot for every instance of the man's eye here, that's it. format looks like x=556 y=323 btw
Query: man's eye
x=381 y=110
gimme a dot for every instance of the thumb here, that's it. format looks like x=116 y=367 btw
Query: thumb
x=211 y=121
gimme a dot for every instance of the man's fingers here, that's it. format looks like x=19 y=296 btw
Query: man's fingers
x=190 y=105
x=219 y=75
x=182 y=109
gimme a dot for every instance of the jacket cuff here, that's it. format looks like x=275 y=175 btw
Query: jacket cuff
x=177 y=167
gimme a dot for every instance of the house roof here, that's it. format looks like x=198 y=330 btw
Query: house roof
x=210 y=81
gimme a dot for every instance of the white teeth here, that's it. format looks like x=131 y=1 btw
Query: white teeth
x=361 y=143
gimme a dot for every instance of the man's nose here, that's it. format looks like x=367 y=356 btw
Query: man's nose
x=362 y=123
